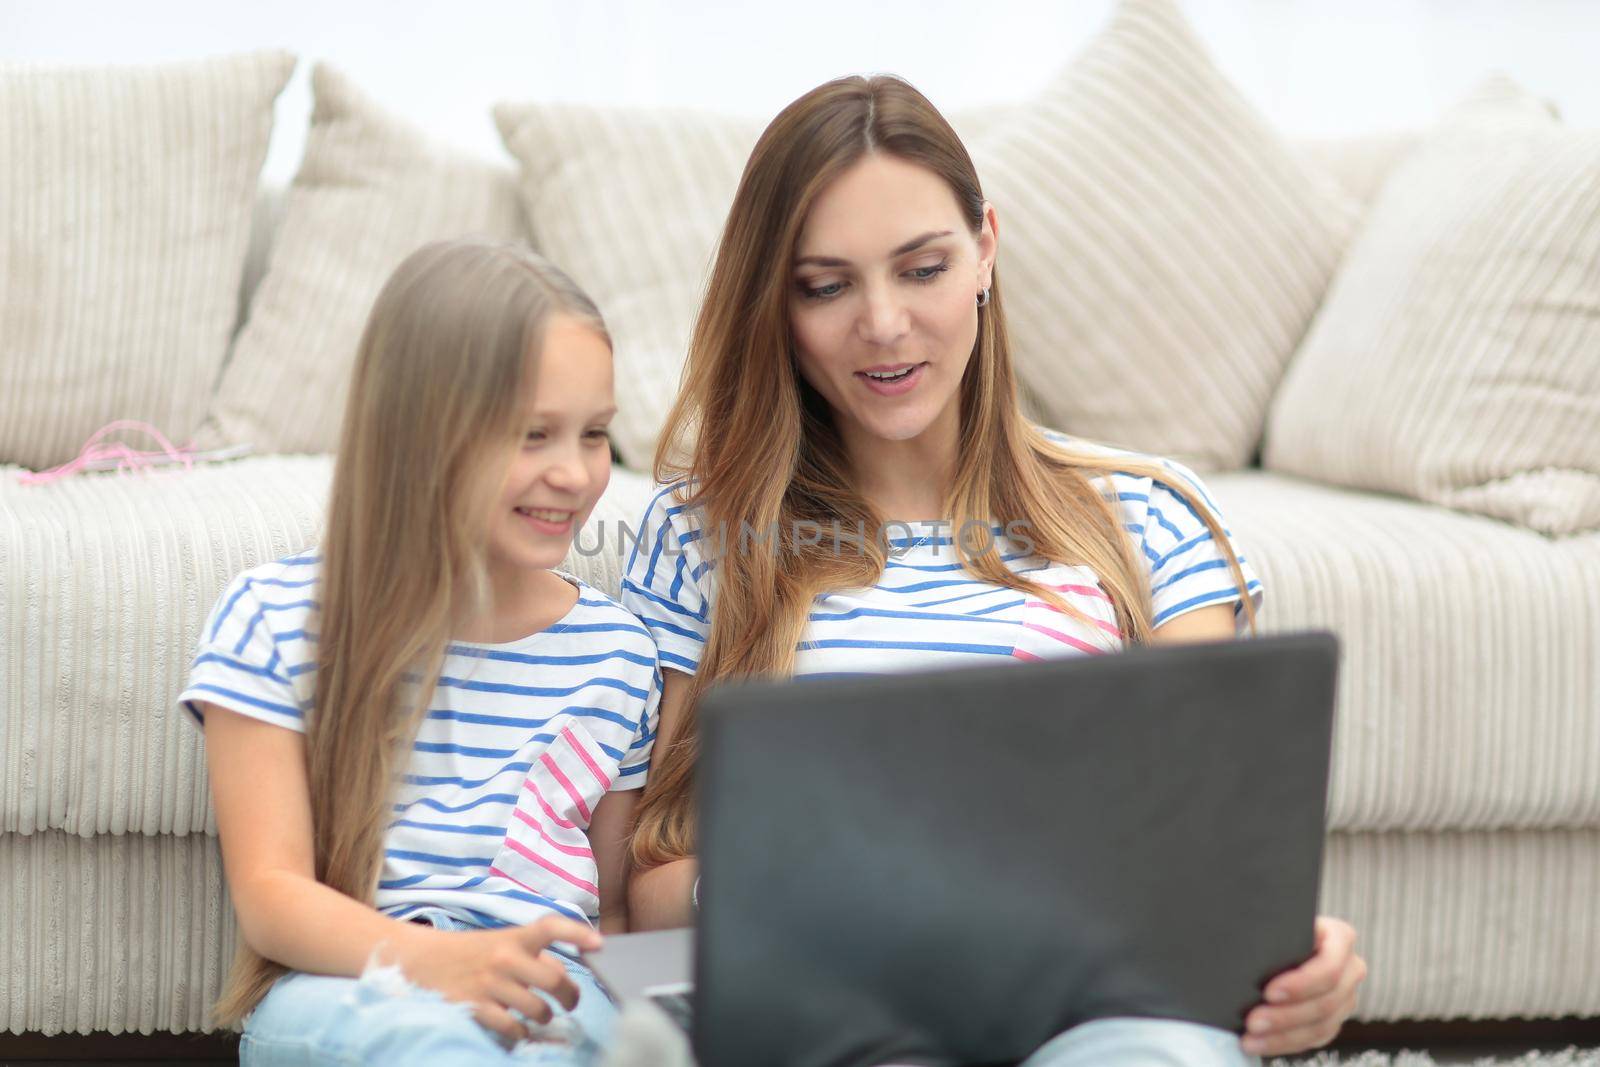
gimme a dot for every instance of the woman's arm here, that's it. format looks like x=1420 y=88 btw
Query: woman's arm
x=263 y=805
x=1203 y=624
x=659 y=897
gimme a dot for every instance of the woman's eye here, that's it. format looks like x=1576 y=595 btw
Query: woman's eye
x=534 y=436
x=928 y=274
x=822 y=292
x=598 y=435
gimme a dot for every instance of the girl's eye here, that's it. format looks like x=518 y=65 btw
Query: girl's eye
x=928 y=274
x=599 y=435
x=535 y=435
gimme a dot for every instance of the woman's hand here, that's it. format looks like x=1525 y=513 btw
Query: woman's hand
x=497 y=970
x=1306 y=1006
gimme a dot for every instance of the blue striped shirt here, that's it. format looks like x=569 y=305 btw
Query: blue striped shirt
x=520 y=742
x=925 y=612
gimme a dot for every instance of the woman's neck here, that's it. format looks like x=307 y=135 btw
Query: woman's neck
x=906 y=479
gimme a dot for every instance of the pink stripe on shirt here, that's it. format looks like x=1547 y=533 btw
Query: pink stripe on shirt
x=1082 y=646
x=566 y=783
x=588 y=761
x=533 y=857
x=571 y=850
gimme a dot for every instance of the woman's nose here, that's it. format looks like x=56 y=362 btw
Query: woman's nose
x=884 y=319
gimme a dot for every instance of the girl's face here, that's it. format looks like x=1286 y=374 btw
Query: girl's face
x=563 y=462
x=884 y=308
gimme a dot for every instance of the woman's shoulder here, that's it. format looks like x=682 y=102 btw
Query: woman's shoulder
x=1142 y=471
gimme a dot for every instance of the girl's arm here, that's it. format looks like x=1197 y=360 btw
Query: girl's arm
x=608 y=836
x=263 y=805
x=658 y=897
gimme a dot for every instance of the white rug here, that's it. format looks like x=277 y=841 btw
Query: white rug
x=1571 y=1057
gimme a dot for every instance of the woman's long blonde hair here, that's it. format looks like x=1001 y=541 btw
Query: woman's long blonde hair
x=759 y=444
x=429 y=429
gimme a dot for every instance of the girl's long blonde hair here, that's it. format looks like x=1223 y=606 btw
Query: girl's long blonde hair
x=429 y=429
x=759 y=444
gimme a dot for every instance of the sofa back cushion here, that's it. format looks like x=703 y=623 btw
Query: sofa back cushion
x=370 y=190
x=1457 y=357
x=126 y=196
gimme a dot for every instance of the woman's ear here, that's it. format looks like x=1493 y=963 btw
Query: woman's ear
x=988 y=245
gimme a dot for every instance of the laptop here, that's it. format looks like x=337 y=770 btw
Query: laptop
x=953 y=866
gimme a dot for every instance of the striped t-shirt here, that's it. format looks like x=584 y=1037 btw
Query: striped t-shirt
x=520 y=742
x=925 y=612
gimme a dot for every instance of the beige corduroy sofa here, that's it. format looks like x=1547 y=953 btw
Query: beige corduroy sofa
x=1464 y=811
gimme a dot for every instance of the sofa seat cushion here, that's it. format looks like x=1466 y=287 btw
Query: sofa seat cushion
x=1469 y=693
x=107 y=580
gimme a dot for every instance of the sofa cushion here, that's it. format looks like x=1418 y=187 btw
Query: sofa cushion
x=1469 y=694
x=107 y=581
x=125 y=202
x=370 y=190
x=1162 y=249
x=1457 y=358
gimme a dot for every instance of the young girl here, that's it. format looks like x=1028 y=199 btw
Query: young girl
x=425 y=743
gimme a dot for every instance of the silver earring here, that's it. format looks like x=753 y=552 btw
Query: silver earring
x=983 y=297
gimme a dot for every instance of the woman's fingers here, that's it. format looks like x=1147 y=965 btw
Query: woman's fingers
x=1300 y=1038
x=1321 y=973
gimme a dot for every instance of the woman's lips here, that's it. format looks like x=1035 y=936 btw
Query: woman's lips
x=894 y=387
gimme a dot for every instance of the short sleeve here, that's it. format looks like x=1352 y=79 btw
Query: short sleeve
x=237 y=664
x=635 y=763
x=1188 y=566
x=665 y=583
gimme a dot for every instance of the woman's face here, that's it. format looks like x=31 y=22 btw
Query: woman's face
x=563 y=462
x=884 y=305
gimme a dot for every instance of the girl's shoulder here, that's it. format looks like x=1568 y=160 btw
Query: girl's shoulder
x=1127 y=481
x=598 y=612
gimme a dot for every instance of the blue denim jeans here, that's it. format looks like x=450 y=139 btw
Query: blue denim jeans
x=382 y=1018
x=1129 y=1042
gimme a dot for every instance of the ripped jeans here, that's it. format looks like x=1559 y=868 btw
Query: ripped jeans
x=381 y=1018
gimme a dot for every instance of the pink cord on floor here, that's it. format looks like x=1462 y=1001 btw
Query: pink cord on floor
x=97 y=456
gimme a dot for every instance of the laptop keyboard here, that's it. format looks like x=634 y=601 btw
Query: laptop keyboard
x=677 y=1007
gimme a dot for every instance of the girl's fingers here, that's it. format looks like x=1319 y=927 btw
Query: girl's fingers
x=497 y=1019
x=512 y=994
x=543 y=971
x=538 y=935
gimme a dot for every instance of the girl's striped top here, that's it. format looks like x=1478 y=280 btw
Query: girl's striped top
x=520 y=742
x=925 y=612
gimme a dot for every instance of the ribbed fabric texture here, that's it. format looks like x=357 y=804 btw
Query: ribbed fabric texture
x=631 y=203
x=1457 y=358
x=370 y=190
x=133 y=933
x=1162 y=250
x=123 y=225
x=105 y=581
x=1469 y=685
x=128 y=933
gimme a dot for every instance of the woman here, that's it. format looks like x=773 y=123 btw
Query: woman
x=850 y=365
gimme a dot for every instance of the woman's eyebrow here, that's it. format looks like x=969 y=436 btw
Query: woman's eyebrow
x=910 y=246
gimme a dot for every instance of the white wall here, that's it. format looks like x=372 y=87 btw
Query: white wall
x=1313 y=66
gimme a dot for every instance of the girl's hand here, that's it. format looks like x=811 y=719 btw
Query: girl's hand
x=497 y=970
x=1306 y=1006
